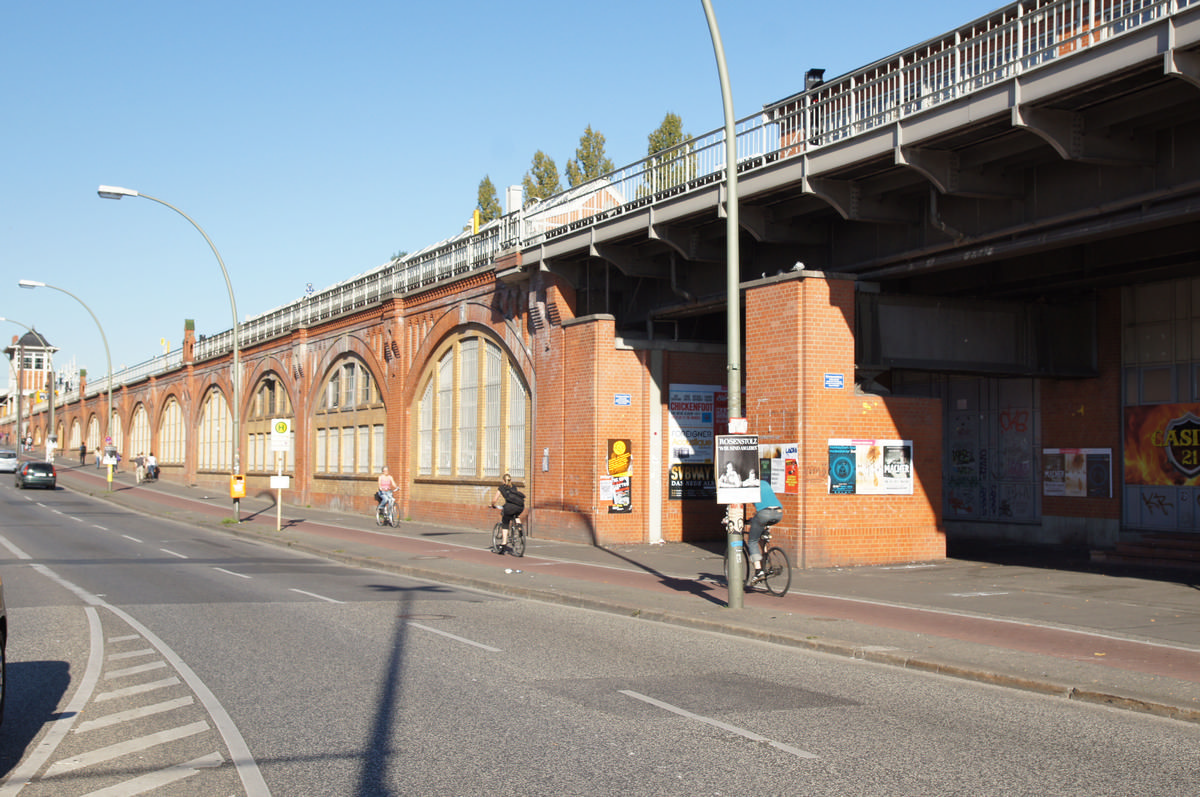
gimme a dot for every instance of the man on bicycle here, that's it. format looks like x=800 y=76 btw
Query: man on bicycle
x=514 y=504
x=768 y=512
x=386 y=486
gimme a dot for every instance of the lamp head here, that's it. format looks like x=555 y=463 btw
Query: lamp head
x=114 y=192
x=31 y=284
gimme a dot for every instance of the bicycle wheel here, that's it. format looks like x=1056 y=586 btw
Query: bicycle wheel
x=380 y=516
x=391 y=514
x=778 y=571
x=516 y=539
x=497 y=536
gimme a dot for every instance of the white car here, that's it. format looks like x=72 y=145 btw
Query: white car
x=8 y=461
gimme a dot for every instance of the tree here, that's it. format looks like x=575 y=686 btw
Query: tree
x=672 y=160
x=541 y=181
x=488 y=203
x=590 y=161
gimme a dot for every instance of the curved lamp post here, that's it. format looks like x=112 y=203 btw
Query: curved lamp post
x=116 y=192
x=42 y=338
x=733 y=300
x=107 y=355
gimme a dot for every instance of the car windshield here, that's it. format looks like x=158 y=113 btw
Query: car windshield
x=39 y=467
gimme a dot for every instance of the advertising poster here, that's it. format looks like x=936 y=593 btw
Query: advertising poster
x=773 y=465
x=620 y=473
x=1077 y=472
x=736 y=469
x=691 y=426
x=870 y=467
x=1162 y=445
x=791 y=468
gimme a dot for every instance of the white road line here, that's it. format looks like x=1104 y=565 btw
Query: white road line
x=754 y=737
x=133 y=654
x=181 y=556
x=126 y=536
x=134 y=714
x=76 y=519
x=112 y=751
x=315 y=595
x=138 y=670
x=465 y=641
x=104 y=528
x=138 y=689
x=156 y=780
x=125 y=638
x=230 y=572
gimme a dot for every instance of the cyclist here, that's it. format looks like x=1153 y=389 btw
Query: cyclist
x=387 y=486
x=513 y=505
x=767 y=512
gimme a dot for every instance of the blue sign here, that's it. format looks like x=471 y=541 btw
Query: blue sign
x=622 y=400
x=835 y=381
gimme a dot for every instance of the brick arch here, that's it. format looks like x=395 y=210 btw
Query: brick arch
x=344 y=345
x=271 y=364
x=456 y=320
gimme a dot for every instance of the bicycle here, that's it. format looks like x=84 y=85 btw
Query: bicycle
x=385 y=513
x=776 y=567
x=516 y=537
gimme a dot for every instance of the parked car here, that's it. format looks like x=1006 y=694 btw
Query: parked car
x=37 y=474
x=8 y=461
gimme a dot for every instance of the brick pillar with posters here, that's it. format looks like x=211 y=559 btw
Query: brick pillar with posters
x=800 y=389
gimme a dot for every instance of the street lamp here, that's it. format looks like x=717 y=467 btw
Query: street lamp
x=116 y=192
x=42 y=338
x=107 y=355
x=733 y=300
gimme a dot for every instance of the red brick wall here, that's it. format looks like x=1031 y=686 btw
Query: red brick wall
x=799 y=328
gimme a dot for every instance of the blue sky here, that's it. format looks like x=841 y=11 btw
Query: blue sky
x=312 y=140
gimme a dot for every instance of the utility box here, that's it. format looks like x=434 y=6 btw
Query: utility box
x=237 y=486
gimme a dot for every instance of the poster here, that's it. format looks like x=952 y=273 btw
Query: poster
x=1077 y=472
x=692 y=424
x=620 y=474
x=1162 y=445
x=736 y=469
x=870 y=467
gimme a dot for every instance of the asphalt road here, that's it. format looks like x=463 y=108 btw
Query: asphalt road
x=146 y=651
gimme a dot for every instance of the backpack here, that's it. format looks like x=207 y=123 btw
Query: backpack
x=515 y=497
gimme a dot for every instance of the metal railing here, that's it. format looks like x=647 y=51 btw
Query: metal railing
x=1008 y=42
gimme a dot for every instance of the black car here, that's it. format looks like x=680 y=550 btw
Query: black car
x=37 y=474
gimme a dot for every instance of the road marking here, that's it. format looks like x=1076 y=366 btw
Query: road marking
x=975 y=594
x=124 y=748
x=156 y=780
x=134 y=713
x=126 y=536
x=125 y=638
x=138 y=670
x=315 y=595
x=230 y=572
x=751 y=735
x=464 y=640
x=133 y=654
x=181 y=556
x=137 y=689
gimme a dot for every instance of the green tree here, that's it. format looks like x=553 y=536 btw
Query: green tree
x=489 y=203
x=672 y=160
x=541 y=181
x=590 y=161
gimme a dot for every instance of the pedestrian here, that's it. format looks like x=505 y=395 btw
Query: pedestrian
x=139 y=470
x=82 y=453
x=152 y=467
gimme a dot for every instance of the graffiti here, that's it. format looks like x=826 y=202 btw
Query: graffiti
x=1157 y=501
x=1014 y=420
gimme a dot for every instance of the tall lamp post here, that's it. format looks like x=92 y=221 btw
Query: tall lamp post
x=116 y=192
x=107 y=355
x=733 y=301
x=42 y=338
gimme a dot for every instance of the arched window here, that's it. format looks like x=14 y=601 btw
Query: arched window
x=76 y=436
x=172 y=434
x=139 y=432
x=115 y=431
x=348 y=426
x=269 y=400
x=214 y=444
x=471 y=414
x=93 y=435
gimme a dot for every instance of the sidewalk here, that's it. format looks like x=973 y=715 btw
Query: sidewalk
x=1102 y=637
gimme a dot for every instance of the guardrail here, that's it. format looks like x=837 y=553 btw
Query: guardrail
x=1008 y=42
